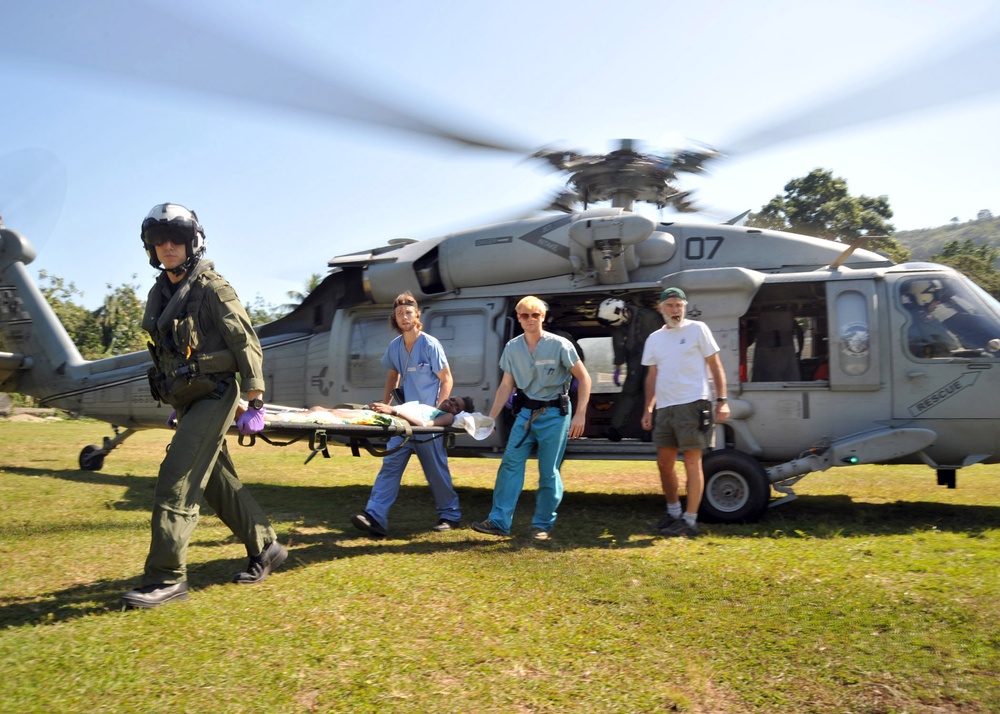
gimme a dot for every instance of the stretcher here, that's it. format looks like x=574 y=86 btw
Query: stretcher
x=284 y=426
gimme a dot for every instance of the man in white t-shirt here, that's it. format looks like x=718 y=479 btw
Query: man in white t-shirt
x=680 y=356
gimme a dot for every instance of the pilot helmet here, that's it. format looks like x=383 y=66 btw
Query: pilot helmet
x=924 y=292
x=612 y=312
x=176 y=223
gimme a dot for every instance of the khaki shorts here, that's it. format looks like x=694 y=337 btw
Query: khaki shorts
x=679 y=426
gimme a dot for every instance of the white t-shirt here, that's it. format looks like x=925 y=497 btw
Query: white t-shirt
x=679 y=356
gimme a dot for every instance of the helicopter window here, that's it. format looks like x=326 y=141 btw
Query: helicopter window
x=369 y=338
x=853 y=333
x=782 y=335
x=949 y=317
x=462 y=334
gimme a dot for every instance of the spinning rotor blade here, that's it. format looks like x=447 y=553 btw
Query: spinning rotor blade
x=139 y=41
x=938 y=81
x=32 y=192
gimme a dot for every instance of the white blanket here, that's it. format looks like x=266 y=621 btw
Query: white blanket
x=477 y=425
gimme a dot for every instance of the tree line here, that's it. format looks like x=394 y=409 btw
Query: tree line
x=820 y=205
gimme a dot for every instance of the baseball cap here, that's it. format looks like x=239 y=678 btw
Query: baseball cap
x=672 y=293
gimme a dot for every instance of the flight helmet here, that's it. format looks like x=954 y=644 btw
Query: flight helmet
x=178 y=224
x=612 y=312
x=924 y=292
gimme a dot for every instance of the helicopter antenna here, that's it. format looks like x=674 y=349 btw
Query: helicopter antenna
x=858 y=242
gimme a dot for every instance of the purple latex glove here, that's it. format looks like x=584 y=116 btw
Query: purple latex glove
x=172 y=419
x=618 y=376
x=251 y=421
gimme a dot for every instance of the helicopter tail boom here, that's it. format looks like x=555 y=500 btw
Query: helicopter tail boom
x=40 y=350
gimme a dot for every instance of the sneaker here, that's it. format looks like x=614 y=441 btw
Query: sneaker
x=488 y=527
x=365 y=522
x=154 y=595
x=666 y=521
x=262 y=565
x=540 y=534
x=680 y=527
x=445 y=525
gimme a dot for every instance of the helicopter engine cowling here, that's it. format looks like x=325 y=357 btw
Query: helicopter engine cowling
x=610 y=240
x=596 y=244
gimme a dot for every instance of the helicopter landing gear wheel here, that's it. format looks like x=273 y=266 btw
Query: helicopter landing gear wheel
x=736 y=487
x=91 y=458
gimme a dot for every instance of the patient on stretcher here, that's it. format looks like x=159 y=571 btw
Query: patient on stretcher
x=415 y=413
x=456 y=412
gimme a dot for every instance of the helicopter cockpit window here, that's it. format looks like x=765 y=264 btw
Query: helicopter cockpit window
x=949 y=317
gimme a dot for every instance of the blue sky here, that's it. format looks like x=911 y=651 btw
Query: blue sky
x=84 y=155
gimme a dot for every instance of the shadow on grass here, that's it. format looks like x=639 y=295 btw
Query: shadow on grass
x=315 y=523
x=586 y=518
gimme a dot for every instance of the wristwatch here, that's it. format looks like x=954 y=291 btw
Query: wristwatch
x=721 y=400
x=257 y=403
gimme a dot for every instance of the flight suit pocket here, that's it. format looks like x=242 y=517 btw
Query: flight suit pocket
x=186 y=335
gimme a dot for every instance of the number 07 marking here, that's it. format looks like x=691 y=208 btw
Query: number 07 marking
x=695 y=248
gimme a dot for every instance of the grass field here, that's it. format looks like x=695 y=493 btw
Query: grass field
x=875 y=591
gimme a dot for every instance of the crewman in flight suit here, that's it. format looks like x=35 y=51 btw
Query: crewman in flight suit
x=201 y=337
x=630 y=326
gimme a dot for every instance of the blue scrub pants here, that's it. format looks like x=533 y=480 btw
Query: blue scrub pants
x=550 y=431
x=434 y=461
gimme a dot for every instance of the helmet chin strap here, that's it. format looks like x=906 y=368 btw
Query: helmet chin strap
x=183 y=268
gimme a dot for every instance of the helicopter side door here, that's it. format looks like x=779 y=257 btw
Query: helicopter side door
x=810 y=365
x=469 y=330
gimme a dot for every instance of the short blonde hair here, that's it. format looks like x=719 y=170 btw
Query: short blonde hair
x=531 y=304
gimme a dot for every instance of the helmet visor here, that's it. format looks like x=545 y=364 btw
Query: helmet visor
x=157 y=233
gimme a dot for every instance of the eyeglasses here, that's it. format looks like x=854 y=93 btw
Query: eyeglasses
x=526 y=315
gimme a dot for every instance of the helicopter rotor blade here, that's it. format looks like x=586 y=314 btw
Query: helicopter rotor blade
x=943 y=79
x=152 y=45
x=32 y=192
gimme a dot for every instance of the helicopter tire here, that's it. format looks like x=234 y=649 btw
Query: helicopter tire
x=91 y=458
x=737 y=489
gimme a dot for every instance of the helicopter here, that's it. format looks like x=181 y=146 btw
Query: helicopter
x=834 y=355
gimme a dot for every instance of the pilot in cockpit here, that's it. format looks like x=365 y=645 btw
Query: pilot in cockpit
x=928 y=337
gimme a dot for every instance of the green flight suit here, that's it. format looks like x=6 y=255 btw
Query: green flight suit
x=201 y=316
x=628 y=342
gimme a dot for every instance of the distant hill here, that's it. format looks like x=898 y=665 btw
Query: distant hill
x=927 y=242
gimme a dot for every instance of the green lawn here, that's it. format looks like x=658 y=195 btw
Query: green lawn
x=876 y=591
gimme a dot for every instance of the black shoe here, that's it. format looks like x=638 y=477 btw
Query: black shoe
x=365 y=522
x=154 y=595
x=445 y=525
x=666 y=521
x=489 y=527
x=261 y=565
x=646 y=437
x=612 y=434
